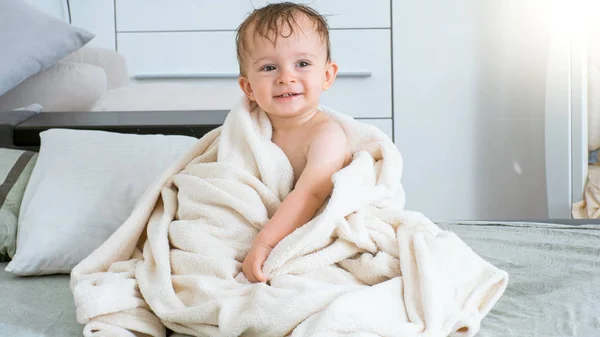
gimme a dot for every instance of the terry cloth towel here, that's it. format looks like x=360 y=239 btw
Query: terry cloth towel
x=363 y=266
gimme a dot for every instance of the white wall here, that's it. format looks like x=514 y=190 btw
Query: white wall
x=469 y=102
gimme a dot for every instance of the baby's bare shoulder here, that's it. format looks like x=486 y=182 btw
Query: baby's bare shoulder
x=326 y=129
x=327 y=141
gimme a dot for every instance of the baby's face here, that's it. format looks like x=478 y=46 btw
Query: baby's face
x=286 y=79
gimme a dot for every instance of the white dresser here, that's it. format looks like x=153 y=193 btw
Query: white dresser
x=193 y=41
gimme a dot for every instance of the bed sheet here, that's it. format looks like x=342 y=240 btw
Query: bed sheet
x=554 y=277
x=553 y=290
x=40 y=306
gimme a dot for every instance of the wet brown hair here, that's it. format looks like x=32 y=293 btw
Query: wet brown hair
x=269 y=22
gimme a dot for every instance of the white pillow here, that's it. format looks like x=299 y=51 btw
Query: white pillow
x=83 y=186
x=63 y=87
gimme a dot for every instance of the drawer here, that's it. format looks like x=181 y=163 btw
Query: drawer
x=208 y=59
x=384 y=124
x=186 y=15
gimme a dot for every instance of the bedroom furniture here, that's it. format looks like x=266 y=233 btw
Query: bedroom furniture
x=21 y=128
x=8 y=120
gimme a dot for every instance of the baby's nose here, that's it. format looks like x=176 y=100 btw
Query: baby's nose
x=286 y=76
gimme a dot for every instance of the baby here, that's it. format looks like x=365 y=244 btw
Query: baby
x=285 y=63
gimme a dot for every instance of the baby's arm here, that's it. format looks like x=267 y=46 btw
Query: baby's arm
x=325 y=156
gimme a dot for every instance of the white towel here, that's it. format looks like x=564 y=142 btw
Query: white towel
x=363 y=266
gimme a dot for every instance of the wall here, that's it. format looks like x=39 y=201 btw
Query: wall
x=469 y=102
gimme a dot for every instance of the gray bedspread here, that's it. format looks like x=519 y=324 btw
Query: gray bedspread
x=36 y=306
x=553 y=291
x=554 y=277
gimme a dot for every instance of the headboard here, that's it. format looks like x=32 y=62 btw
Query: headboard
x=21 y=129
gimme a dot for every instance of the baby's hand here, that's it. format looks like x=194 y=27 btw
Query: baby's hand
x=252 y=265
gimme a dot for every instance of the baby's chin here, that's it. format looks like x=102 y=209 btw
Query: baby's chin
x=291 y=113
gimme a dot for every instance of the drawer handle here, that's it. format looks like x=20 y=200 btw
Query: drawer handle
x=150 y=76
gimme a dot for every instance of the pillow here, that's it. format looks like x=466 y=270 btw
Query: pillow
x=83 y=187
x=157 y=96
x=33 y=41
x=15 y=170
x=113 y=64
x=62 y=87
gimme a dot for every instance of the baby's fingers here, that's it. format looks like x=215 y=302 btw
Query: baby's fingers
x=256 y=270
x=247 y=270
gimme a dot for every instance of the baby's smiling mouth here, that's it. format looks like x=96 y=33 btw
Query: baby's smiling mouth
x=288 y=94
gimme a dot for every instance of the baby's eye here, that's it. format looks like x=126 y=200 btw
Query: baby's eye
x=267 y=68
x=303 y=64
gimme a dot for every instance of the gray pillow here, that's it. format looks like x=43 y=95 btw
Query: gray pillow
x=32 y=41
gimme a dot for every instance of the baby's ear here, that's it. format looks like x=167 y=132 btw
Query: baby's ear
x=246 y=88
x=331 y=71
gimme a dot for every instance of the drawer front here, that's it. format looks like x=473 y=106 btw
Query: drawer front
x=185 y=15
x=208 y=59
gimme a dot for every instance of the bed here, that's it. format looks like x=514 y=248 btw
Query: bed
x=554 y=267
x=554 y=276
x=37 y=306
x=553 y=290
